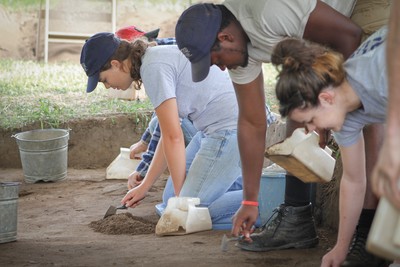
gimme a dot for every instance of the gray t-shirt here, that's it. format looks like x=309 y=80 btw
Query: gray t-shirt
x=267 y=22
x=211 y=104
x=366 y=73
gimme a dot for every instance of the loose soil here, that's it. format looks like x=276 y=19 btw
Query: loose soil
x=61 y=224
x=124 y=223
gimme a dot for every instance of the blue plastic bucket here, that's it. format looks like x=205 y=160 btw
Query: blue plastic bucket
x=271 y=194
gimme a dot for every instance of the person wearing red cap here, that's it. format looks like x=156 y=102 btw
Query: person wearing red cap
x=239 y=36
x=130 y=33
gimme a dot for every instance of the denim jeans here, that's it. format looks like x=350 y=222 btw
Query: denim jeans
x=188 y=130
x=187 y=127
x=212 y=174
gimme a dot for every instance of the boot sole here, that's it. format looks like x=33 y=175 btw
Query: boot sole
x=299 y=245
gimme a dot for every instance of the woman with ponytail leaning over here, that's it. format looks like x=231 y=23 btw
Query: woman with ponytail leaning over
x=317 y=88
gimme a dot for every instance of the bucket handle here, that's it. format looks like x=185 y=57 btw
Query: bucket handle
x=15 y=135
x=9 y=183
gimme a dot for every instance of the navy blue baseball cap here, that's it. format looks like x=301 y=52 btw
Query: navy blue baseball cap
x=96 y=51
x=195 y=33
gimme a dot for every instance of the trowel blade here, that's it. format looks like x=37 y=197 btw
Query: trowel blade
x=225 y=240
x=111 y=211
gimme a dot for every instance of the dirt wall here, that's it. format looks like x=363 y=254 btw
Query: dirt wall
x=93 y=143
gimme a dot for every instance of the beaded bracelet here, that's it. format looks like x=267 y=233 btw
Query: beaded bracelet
x=250 y=203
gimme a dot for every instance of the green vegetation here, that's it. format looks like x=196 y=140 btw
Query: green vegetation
x=270 y=74
x=55 y=93
x=21 y=4
x=52 y=94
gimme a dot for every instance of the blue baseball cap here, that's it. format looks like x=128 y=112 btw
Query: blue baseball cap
x=195 y=33
x=96 y=51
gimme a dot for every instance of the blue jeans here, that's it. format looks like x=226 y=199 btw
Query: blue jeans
x=187 y=127
x=212 y=174
x=188 y=130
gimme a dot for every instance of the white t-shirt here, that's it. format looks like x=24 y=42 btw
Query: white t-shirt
x=345 y=7
x=267 y=22
x=211 y=104
x=367 y=74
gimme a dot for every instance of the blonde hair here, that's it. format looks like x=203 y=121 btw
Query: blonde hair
x=304 y=70
x=134 y=50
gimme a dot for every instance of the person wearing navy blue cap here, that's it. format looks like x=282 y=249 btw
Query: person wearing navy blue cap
x=95 y=54
x=209 y=167
x=240 y=35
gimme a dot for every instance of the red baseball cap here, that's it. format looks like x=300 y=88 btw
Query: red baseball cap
x=131 y=32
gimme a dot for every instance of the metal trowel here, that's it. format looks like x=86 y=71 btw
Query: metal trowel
x=225 y=240
x=112 y=210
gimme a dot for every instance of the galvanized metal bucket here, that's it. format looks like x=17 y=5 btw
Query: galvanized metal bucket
x=8 y=211
x=44 y=154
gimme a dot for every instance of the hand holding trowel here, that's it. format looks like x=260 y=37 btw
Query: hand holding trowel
x=112 y=210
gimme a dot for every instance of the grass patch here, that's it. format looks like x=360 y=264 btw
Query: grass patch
x=270 y=74
x=55 y=93
x=20 y=4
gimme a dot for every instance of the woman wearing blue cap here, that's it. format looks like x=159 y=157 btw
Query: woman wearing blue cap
x=149 y=140
x=210 y=167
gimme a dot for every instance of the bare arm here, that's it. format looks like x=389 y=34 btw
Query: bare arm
x=251 y=138
x=352 y=191
x=329 y=27
x=156 y=168
x=386 y=175
x=169 y=152
x=173 y=142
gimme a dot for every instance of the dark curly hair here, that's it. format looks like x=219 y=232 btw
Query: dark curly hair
x=304 y=70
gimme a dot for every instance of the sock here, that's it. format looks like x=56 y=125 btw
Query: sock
x=297 y=193
x=366 y=218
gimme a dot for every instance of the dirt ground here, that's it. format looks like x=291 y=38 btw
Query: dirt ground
x=54 y=230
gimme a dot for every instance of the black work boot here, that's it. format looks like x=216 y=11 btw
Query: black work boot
x=292 y=227
x=358 y=256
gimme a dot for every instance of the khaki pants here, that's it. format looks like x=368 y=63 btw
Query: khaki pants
x=371 y=15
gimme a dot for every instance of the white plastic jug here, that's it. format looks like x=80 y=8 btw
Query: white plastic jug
x=181 y=216
x=384 y=236
x=301 y=155
x=122 y=166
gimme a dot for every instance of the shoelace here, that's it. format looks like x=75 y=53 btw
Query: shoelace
x=275 y=219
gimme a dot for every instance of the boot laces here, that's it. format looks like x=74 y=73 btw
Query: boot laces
x=275 y=219
x=357 y=247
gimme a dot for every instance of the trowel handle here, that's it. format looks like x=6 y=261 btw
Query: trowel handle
x=123 y=207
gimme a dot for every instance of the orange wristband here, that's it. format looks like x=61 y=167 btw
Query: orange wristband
x=250 y=203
